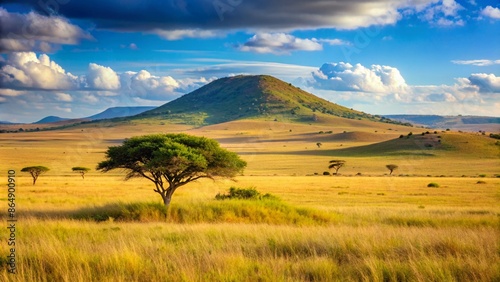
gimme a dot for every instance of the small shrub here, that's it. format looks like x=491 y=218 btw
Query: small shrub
x=243 y=194
x=482 y=175
x=326 y=173
x=433 y=185
x=401 y=136
x=481 y=182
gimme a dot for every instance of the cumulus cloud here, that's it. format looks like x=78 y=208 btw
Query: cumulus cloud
x=479 y=63
x=103 y=78
x=362 y=87
x=346 y=77
x=491 y=12
x=35 y=32
x=487 y=83
x=142 y=84
x=24 y=70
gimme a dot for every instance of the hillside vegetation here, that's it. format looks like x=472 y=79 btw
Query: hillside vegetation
x=240 y=97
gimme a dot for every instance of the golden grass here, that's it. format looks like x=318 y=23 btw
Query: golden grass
x=84 y=251
x=382 y=228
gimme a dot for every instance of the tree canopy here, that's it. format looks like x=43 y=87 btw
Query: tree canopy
x=172 y=160
x=336 y=164
x=80 y=169
x=35 y=171
x=391 y=167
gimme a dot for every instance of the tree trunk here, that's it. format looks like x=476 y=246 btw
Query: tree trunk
x=166 y=200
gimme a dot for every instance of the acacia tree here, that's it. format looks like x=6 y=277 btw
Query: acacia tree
x=319 y=144
x=80 y=169
x=336 y=164
x=35 y=171
x=172 y=160
x=391 y=167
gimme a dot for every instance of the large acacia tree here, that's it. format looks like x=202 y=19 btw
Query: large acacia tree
x=172 y=160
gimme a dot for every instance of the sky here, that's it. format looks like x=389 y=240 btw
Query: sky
x=73 y=59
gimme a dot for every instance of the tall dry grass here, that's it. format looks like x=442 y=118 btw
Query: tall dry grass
x=69 y=250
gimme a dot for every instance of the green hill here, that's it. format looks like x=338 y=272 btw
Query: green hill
x=464 y=145
x=243 y=97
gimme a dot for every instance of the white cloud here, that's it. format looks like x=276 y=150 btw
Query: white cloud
x=35 y=32
x=491 y=12
x=487 y=83
x=346 y=77
x=443 y=13
x=143 y=84
x=102 y=78
x=282 y=43
x=479 y=63
x=383 y=86
x=63 y=97
x=24 y=70
x=178 y=34
x=333 y=42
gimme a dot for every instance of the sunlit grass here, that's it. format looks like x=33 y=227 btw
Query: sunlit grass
x=372 y=227
x=66 y=250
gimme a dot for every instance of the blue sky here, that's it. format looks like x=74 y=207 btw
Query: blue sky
x=75 y=58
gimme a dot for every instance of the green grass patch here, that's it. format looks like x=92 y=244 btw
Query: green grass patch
x=268 y=211
x=433 y=185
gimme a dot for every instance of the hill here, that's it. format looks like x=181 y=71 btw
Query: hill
x=244 y=97
x=50 y=119
x=463 y=145
x=470 y=123
x=117 y=112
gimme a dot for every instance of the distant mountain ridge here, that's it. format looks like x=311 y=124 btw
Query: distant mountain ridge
x=453 y=122
x=250 y=96
x=109 y=113
x=116 y=112
x=50 y=119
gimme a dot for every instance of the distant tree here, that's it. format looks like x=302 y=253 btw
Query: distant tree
x=319 y=144
x=391 y=167
x=35 y=171
x=172 y=160
x=80 y=169
x=336 y=164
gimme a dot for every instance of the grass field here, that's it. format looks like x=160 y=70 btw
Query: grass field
x=370 y=227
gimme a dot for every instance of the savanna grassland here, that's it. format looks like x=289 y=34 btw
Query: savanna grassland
x=361 y=225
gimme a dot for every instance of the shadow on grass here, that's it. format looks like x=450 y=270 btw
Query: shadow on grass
x=269 y=211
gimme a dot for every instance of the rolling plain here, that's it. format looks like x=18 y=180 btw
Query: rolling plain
x=360 y=225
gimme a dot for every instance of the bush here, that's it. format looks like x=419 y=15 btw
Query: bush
x=243 y=194
x=326 y=173
x=481 y=182
x=433 y=184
